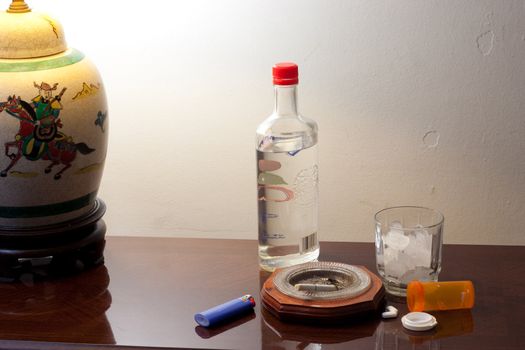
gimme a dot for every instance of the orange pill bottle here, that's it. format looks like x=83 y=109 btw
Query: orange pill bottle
x=435 y=296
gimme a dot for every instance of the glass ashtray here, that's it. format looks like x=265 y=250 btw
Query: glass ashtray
x=322 y=281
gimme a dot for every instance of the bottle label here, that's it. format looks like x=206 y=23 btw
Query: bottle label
x=309 y=242
x=288 y=197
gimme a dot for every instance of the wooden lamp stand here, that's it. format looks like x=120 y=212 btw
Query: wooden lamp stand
x=55 y=249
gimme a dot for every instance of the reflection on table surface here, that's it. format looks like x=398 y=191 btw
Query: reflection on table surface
x=389 y=334
x=60 y=309
x=386 y=334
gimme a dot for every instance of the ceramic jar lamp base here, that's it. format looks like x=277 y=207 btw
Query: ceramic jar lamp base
x=53 y=145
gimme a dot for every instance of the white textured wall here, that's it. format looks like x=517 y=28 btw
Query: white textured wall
x=418 y=102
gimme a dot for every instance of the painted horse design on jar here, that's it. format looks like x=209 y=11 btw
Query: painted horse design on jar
x=38 y=137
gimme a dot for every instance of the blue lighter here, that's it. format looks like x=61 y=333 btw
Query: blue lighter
x=228 y=310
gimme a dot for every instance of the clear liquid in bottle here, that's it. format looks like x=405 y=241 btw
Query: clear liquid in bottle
x=287 y=183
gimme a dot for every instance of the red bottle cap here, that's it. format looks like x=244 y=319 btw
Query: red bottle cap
x=285 y=73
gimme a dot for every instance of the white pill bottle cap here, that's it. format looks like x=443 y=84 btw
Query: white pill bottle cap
x=418 y=321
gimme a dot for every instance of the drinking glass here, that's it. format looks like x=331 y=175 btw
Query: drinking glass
x=408 y=241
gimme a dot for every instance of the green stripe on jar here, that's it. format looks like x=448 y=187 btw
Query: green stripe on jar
x=31 y=65
x=47 y=210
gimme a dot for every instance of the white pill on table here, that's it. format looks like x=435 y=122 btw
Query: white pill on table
x=391 y=312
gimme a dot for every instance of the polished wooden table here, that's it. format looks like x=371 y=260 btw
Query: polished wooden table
x=150 y=288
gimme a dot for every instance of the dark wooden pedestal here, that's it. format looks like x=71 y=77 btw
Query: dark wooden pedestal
x=53 y=250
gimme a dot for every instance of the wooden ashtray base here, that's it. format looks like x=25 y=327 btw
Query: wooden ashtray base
x=288 y=308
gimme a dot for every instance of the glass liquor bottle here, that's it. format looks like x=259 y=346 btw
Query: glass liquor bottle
x=287 y=178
